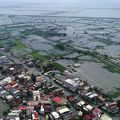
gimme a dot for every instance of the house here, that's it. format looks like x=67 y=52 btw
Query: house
x=89 y=107
x=87 y=94
x=97 y=113
x=81 y=103
x=87 y=117
x=93 y=96
x=59 y=100
x=8 y=87
x=3 y=94
x=58 y=77
x=111 y=107
x=54 y=116
x=16 y=93
x=76 y=65
x=40 y=79
x=35 y=116
x=65 y=113
x=14 y=115
x=105 y=117
x=101 y=100
x=71 y=99
x=9 y=98
x=4 y=60
x=73 y=86
x=6 y=81
x=36 y=96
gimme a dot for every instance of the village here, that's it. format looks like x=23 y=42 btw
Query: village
x=49 y=94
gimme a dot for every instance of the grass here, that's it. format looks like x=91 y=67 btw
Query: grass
x=19 y=45
x=43 y=58
x=109 y=66
x=58 y=67
x=111 y=69
x=19 y=48
x=44 y=34
x=38 y=56
x=114 y=94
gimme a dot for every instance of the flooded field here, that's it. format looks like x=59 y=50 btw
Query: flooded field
x=61 y=36
x=98 y=76
x=60 y=30
x=79 y=39
x=95 y=74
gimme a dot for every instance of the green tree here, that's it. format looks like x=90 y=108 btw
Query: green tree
x=118 y=103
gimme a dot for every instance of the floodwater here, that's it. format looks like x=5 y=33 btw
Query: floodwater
x=72 y=16
x=38 y=43
x=113 y=50
x=96 y=75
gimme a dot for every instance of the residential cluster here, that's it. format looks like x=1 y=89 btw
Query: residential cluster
x=50 y=95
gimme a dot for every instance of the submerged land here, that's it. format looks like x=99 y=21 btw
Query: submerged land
x=87 y=48
x=92 y=42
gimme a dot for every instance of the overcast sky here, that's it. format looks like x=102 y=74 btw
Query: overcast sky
x=81 y=3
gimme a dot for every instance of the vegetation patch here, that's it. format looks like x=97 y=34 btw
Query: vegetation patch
x=58 y=66
x=38 y=56
x=60 y=47
x=44 y=34
x=114 y=94
x=18 y=45
x=111 y=69
x=53 y=66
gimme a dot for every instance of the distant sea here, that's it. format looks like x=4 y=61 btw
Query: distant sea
x=59 y=10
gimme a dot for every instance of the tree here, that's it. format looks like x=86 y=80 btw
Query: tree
x=118 y=103
x=33 y=77
x=3 y=72
x=77 y=118
x=106 y=56
x=1 y=67
x=5 y=115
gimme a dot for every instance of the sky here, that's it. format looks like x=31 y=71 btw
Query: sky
x=81 y=3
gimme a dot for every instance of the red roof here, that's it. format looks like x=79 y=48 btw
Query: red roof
x=12 y=83
x=113 y=104
x=18 y=102
x=96 y=110
x=8 y=87
x=57 y=99
x=20 y=87
x=22 y=108
x=36 y=115
x=87 y=117
x=71 y=98
x=93 y=117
